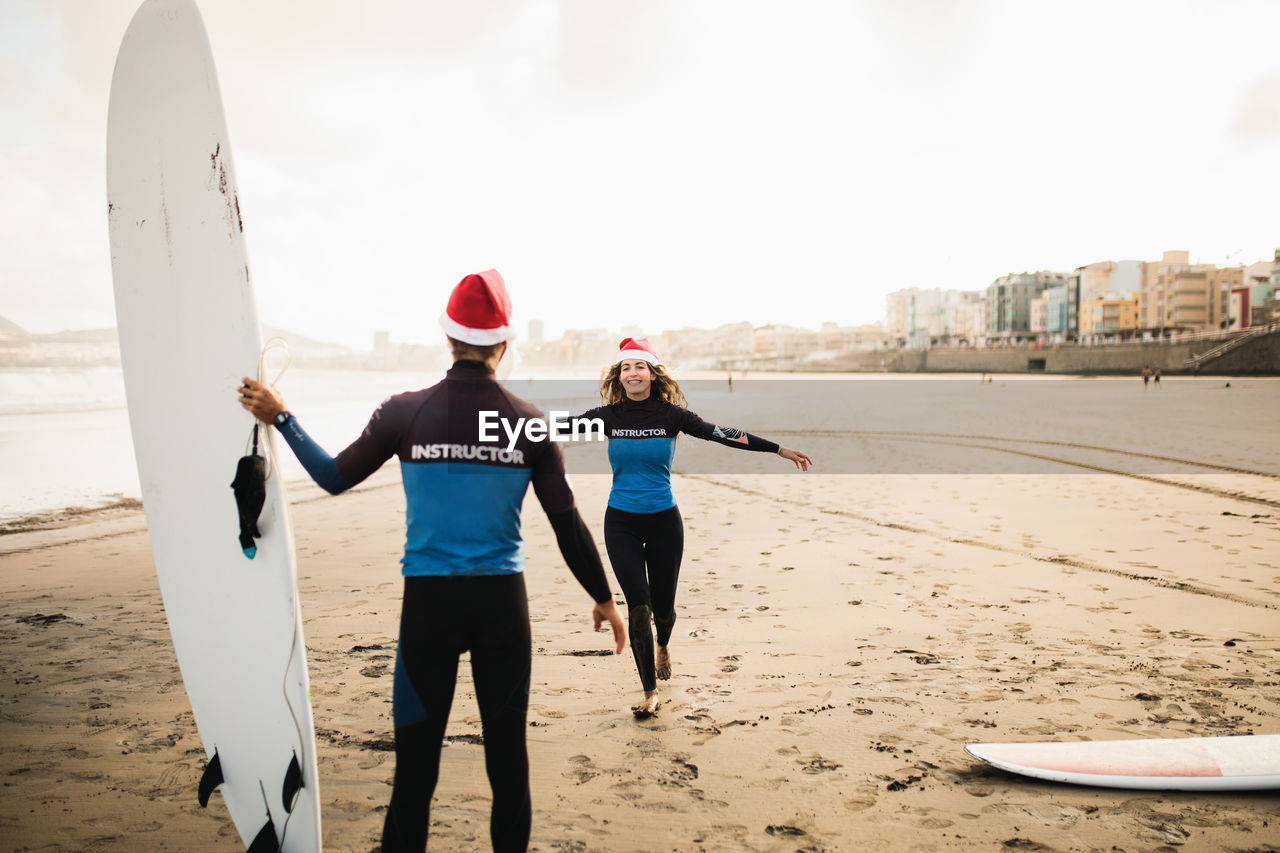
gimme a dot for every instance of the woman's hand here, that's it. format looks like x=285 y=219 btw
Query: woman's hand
x=803 y=462
x=262 y=401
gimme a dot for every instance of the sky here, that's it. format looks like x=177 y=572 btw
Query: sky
x=662 y=163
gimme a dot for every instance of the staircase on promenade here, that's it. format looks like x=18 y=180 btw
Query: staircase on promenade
x=1225 y=347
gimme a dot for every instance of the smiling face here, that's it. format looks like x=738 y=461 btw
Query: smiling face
x=636 y=377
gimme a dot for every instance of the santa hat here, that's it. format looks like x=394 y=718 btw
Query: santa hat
x=479 y=310
x=637 y=348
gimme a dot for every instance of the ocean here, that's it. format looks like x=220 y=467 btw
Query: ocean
x=65 y=440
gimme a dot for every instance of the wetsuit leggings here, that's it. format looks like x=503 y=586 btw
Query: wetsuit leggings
x=645 y=550
x=441 y=618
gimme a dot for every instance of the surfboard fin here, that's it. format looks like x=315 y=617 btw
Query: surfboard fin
x=265 y=841
x=292 y=782
x=210 y=779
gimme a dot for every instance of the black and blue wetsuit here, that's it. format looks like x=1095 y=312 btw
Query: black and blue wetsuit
x=643 y=530
x=464 y=588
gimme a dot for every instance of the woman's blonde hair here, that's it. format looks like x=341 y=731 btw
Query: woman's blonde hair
x=664 y=387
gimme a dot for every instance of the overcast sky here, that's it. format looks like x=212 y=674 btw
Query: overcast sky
x=662 y=163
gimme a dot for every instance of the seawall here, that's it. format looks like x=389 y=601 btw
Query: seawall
x=1258 y=355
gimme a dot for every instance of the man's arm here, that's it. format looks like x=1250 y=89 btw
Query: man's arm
x=580 y=553
x=322 y=467
x=266 y=404
x=576 y=544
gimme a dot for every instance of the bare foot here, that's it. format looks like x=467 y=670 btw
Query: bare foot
x=663 y=661
x=648 y=707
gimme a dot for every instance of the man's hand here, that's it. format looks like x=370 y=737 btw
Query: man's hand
x=608 y=612
x=262 y=401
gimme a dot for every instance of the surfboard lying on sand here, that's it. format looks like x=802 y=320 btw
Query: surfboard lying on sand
x=188 y=327
x=1244 y=763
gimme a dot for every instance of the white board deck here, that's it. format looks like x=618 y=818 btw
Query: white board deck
x=1243 y=763
x=189 y=330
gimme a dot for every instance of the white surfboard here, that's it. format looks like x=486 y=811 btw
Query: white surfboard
x=189 y=331
x=1244 y=763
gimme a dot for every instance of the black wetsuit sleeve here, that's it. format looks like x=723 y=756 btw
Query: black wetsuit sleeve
x=576 y=545
x=580 y=553
x=375 y=445
x=728 y=436
x=580 y=426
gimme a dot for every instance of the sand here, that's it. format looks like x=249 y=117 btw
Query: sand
x=840 y=639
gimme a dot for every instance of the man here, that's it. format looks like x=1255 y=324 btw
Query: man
x=464 y=588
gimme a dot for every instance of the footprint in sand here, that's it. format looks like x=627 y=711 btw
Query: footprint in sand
x=860 y=803
x=581 y=768
x=729 y=663
x=815 y=764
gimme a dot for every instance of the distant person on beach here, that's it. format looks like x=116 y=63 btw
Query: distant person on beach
x=643 y=413
x=1155 y=377
x=463 y=568
x=1146 y=377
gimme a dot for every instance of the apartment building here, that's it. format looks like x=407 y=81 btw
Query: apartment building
x=1109 y=318
x=1178 y=296
x=786 y=341
x=837 y=338
x=1104 y=278
x=1008 y=303
x=924 y=318
x=971 y=322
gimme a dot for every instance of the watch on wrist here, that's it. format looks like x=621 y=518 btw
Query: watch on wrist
x=282 y=418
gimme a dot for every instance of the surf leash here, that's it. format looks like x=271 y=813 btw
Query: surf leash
x=294 y=779
x=253 y=469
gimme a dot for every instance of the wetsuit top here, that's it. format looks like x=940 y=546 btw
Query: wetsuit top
x=642 y=444
x=463 y=496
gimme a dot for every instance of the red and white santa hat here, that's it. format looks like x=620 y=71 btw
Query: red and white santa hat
x=637 y=348
x=479 y=310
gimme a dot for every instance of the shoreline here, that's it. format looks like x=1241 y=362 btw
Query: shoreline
x=37 y=498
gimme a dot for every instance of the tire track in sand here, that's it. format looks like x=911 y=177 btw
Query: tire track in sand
x=936 y=438
x=1057 y=560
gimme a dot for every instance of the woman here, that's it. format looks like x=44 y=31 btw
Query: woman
x=644 y=411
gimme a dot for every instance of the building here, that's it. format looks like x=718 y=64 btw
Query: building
x=1267 y=309
x=971 y=323
x=1178 y=296
x=1008 y=304
x=836 y=338
x=537 y=331
x=1109 y=319
x=926 y=318
x=1039 y=315
x=1104 y=278
x=1061 y=322
x=702 y=347
x=1252 y=302
x=786 y=342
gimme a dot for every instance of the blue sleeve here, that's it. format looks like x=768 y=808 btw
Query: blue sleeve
x=322 y=467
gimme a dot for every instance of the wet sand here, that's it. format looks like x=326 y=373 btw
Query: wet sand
x=840 y=639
